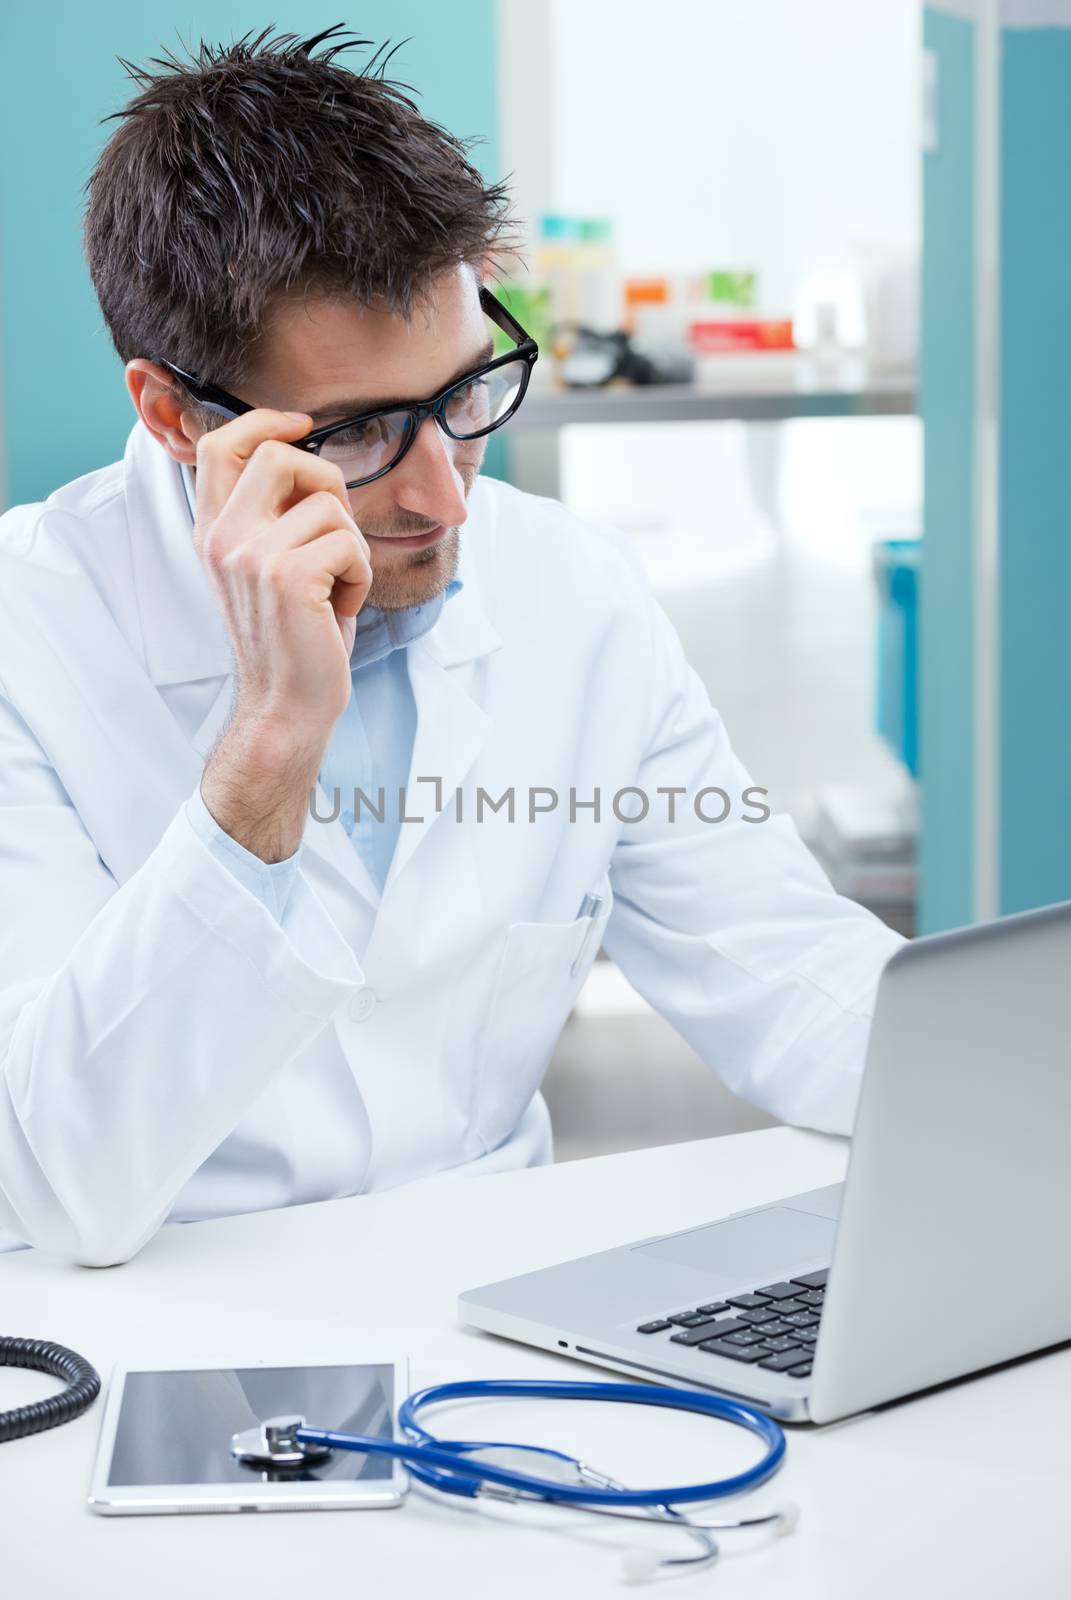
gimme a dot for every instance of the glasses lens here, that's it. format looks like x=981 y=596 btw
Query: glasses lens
x=485 y=400
x=366 y=448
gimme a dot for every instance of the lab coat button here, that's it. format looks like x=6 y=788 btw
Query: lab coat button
x=362 y=1004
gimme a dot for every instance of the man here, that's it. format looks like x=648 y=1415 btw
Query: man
x=215 y=998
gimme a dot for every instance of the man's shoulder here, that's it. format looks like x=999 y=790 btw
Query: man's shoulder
x=536 y=543
x=61 y=559
x=70 y=519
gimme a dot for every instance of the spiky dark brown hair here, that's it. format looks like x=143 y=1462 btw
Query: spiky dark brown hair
x=263 y=168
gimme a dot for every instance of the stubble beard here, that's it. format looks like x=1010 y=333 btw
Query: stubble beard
x=417 y=579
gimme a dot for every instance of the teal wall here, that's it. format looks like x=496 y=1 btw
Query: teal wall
x=1033 y=647
x=1035 y=540
x=946 y=653
x=65 y=409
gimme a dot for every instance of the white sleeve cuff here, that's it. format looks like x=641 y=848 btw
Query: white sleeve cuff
x=271 y=882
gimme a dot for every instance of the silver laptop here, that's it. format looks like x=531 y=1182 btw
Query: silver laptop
x=944 y=1252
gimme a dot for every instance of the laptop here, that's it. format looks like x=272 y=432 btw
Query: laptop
x=943 y=1253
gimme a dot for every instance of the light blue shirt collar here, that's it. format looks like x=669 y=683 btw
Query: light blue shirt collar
x=378 y=632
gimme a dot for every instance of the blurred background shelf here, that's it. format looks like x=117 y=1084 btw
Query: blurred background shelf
x=793 y=387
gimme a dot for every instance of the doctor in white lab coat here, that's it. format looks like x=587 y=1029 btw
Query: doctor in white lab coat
x=167 y=1050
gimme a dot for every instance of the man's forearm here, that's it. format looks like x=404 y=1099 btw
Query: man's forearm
x=256 y=785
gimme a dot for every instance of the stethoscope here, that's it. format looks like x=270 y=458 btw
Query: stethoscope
x=489 y=1469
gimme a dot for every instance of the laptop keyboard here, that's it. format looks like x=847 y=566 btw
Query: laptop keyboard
x=775 y=1327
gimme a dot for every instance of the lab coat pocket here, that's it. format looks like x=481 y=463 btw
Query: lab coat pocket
x=542 y=968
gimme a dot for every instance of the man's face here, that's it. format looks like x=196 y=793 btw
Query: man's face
x=333 y=360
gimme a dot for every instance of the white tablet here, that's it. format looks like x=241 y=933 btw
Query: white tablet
x=165 y=1441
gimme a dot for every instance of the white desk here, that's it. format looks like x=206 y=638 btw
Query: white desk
x=961 y=1494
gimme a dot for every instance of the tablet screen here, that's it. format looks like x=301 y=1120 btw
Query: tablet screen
x=176 y=1427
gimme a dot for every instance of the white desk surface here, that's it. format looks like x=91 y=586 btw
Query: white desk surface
x=963 y=1493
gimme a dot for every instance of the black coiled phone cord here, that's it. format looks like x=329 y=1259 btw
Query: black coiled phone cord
x=83 y=1386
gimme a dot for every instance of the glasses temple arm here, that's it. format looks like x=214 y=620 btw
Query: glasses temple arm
x=503 y=318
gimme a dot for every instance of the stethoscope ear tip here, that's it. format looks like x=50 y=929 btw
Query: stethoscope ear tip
x=639 y=1566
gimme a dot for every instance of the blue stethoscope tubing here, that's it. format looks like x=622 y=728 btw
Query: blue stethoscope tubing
x=442 y=1463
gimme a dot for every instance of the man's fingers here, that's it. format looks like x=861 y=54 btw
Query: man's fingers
x=222 y=454
x=334 y=567
x=317 y=514
x=274 y=478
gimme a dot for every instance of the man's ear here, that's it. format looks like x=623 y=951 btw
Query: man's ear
x=161 y=409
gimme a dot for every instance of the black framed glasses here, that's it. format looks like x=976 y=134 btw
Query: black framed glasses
x=373 y=442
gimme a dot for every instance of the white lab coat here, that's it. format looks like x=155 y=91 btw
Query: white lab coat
x=169 y=1051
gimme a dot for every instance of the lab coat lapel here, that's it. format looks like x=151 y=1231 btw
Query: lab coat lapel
x=184 y=637
x=451 y=732
x=330 y=844
x=445 y=671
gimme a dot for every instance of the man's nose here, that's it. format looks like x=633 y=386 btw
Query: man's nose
x=427 y=482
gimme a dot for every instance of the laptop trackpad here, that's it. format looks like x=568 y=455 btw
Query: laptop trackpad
x=748 y=1248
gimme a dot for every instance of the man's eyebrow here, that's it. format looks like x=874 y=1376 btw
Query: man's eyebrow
x=338 y=410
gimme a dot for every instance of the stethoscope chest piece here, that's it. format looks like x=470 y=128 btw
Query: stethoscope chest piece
x=274 y=1445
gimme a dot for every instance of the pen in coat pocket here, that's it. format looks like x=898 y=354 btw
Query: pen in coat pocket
x=590 y=907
